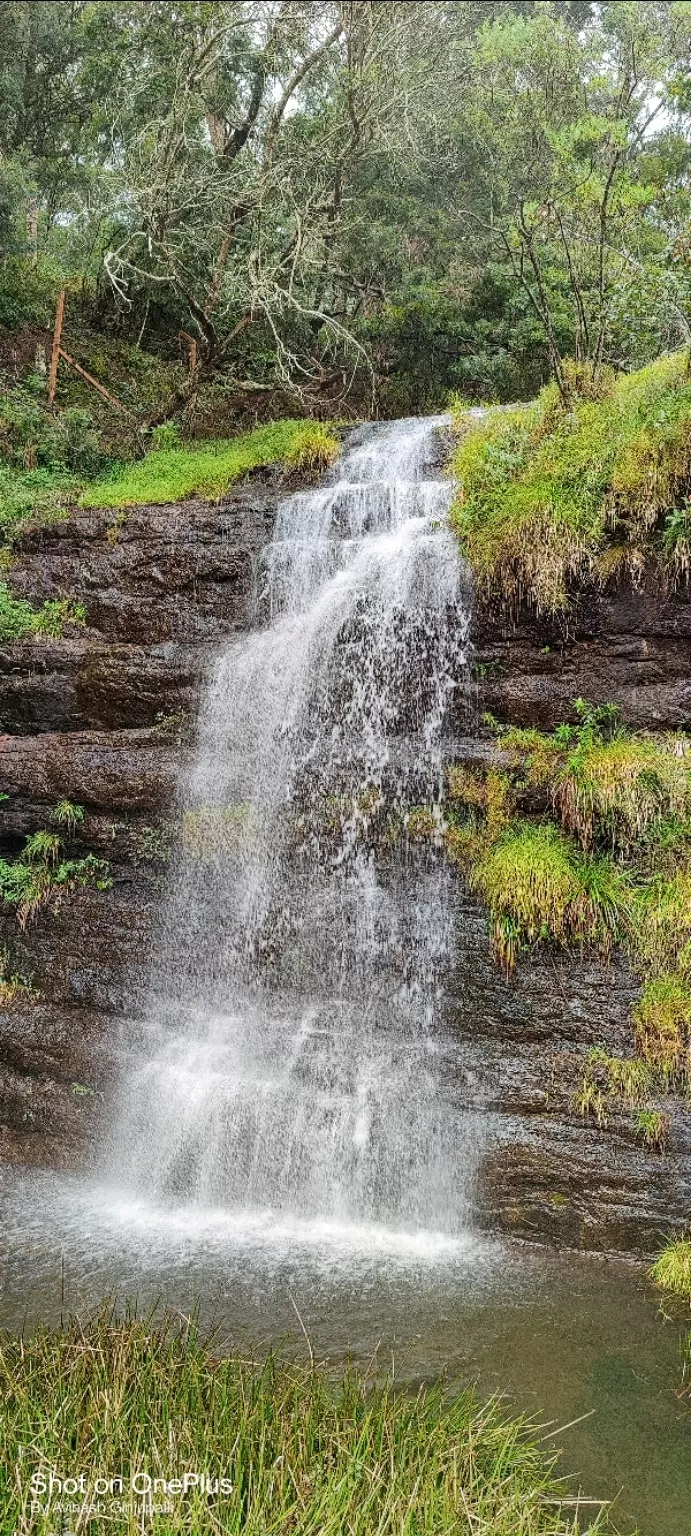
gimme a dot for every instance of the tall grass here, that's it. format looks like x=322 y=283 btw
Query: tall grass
x=672 y=1268
x=538 y=885
x=306 y=1455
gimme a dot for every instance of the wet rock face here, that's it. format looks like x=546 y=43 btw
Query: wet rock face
x=88 y=683
x=103 y=718
x=150 y=575
x=545 y=1172
x=620 y=645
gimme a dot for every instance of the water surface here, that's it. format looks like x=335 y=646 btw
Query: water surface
x=560 y=1335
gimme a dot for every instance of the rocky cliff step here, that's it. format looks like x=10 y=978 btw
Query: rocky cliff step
x=622 y=644
x=152 y=574
x=109 y=771
x=88 y=683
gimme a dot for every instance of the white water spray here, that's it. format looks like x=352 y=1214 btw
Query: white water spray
x=290 y=1060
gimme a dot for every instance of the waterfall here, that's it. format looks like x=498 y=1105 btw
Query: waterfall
x=290 y=1060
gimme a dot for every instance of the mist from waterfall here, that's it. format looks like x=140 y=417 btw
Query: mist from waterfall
x=290 y=1063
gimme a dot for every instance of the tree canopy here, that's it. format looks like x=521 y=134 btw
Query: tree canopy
x=371 y=204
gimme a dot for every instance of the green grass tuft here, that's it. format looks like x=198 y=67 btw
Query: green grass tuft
x=41 y=876
x=662 y=1017
x=546 y=888
x=547 y=492
x=305 y=1453
x=622 y=787
x=661 y=922
x=18 y=619
x=653 y=1127
x=672 y=1270
x=209 y=469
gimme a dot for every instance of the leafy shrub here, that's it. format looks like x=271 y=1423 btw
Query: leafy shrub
x=166 y=436
x=28 y=294
x=33 y=436
x=37 y=494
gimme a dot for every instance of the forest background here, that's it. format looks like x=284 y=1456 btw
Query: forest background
x=260 y=209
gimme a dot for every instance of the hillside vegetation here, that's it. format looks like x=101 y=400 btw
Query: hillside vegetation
x=169 y=472
x=209 y=469
x=582 y=838
x=555 y=491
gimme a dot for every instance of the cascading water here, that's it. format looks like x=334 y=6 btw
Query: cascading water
x=290 y=1061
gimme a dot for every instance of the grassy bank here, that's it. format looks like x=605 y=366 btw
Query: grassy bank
x=551 y=493
x=169 y=473
x=209 y=469
x=305 y=1453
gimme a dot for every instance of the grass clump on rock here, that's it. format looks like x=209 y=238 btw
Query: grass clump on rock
x=305 y=1453
x=672 y=1269
x=551 y=492
x=538 y=885
x=621 y=787
x=662 y=1017
x=42 y=875
x=18 y=619
x=583 y=837
x=208 y=469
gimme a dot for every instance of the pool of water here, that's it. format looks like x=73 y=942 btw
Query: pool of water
x=561 y=1336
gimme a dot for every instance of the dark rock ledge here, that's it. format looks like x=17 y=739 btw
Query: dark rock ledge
x=100 y=718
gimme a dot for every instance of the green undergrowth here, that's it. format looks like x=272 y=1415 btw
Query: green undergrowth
x=303 y=1451
x=551 y=492
x=33 y=496
x=582 y=837
x=46 y=460
x=538 y=885
x=42 y=874
x=18 y=619
x=169 y=474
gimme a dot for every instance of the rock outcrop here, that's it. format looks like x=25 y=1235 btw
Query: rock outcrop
x=103 y=718
x=618 y=644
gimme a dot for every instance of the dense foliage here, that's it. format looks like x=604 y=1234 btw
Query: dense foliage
x=555 y=491
x=366 y=202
